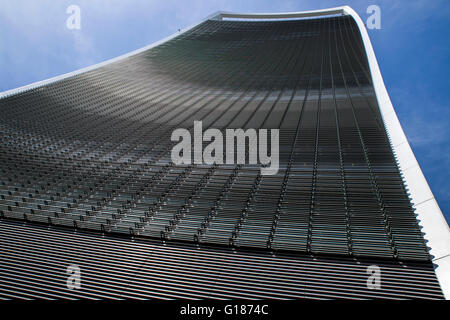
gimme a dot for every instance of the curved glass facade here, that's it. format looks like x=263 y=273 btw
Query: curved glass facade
x=92 y=151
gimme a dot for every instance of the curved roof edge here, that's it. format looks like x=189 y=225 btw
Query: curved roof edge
x=434 y=226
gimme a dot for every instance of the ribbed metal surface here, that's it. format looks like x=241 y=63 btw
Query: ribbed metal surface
x=34 y=261
x=92 y=152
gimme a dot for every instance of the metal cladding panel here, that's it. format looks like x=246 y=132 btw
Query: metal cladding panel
x=93 y=151
x=35 y=259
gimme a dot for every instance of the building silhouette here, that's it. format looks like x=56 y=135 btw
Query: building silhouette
x=86 y=163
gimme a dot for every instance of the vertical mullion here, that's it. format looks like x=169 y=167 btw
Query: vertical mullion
x=341 y=163
x=314 y=57
x=291 y=52
x=375 y=187
x=316 y=145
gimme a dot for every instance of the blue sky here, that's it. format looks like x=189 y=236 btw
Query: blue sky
x=412 y=47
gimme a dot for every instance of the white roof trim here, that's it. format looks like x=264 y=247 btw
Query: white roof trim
x=435 y=228
x=286 y=15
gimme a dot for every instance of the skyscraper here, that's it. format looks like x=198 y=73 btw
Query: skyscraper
x=89 y=154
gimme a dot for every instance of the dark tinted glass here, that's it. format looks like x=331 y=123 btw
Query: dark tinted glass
x=93 y=151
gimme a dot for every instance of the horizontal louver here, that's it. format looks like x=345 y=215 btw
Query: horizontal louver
x=92 y=152
x=35 y=259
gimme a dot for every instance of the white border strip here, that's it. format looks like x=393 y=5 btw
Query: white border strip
x=430 y=217
x=287 y=15
x=435 y=227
